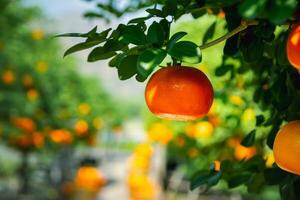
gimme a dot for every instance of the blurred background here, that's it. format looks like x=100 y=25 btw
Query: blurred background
x=72 y=130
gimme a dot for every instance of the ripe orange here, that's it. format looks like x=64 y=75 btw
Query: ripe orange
x=24 y=123
x=89 y=179
x=179 y=93
x=286 y=147
x=8 y=77
x=81 y=127
x=61 y=136
x=241 y=152
x=32 y=95
x=293 y=47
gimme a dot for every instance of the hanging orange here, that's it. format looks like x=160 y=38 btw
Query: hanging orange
x=293 y=47
x=286 y=147
x=179 y=93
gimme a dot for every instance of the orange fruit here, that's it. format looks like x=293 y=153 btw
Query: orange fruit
x=89 y=178
x=61 y=136
x=241 y=152
x=81 y=127
x=293 y=47
x=22 y=141
x=24 y=123
x=217 y=165
x=32 y=95
x=286 y=147
x=8 y=77
x=38 y=139
x=179 y=93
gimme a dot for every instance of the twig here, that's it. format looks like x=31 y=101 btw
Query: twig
x=244 y=25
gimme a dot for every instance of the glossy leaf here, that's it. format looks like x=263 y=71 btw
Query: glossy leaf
x=127 y=67
x=150 y=59
x=185 y=51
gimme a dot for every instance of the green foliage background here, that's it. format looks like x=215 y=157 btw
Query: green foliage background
x=255 y=53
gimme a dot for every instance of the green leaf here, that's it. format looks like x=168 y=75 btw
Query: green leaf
x=91 y=32
x=185 y=51
x=128 y=67
x=115 y=61
x=165 y=24
x=177 y=36
x=280 y=10
x=252 y=48
x=223 y=69
x=239 y=179
x=210 y=178
x=170 y=7
x=156 y=34
x=140 y=78
x=82 y=46
x=231 y=46
x=91 y=14
x=251 y=8
x=274 y=176
x=139 y=20
x=133 y=34
x=271 y=136
x=149 y=59
x=209 y=33
x=260 y=120
x=100 y=53
x=256 y=183
x=114 y=45
x=249 y=139
x=156 y=12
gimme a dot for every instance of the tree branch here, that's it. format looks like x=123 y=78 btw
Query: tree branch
x=244 y=25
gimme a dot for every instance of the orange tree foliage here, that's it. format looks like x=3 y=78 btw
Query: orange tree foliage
x=257 y=34
x=44 y=101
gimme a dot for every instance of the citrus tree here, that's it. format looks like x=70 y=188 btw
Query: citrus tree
x=261 y=41
x=46 y=106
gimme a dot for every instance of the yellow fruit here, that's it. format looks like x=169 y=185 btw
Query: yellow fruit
x=84 y=109
x=41 y=67
x=202 y=130
x=160 y=133
x=37 y=34
x=97 y=123
x=236 y=100
x=269 y=159
x=32 y=95
x=248 y=115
